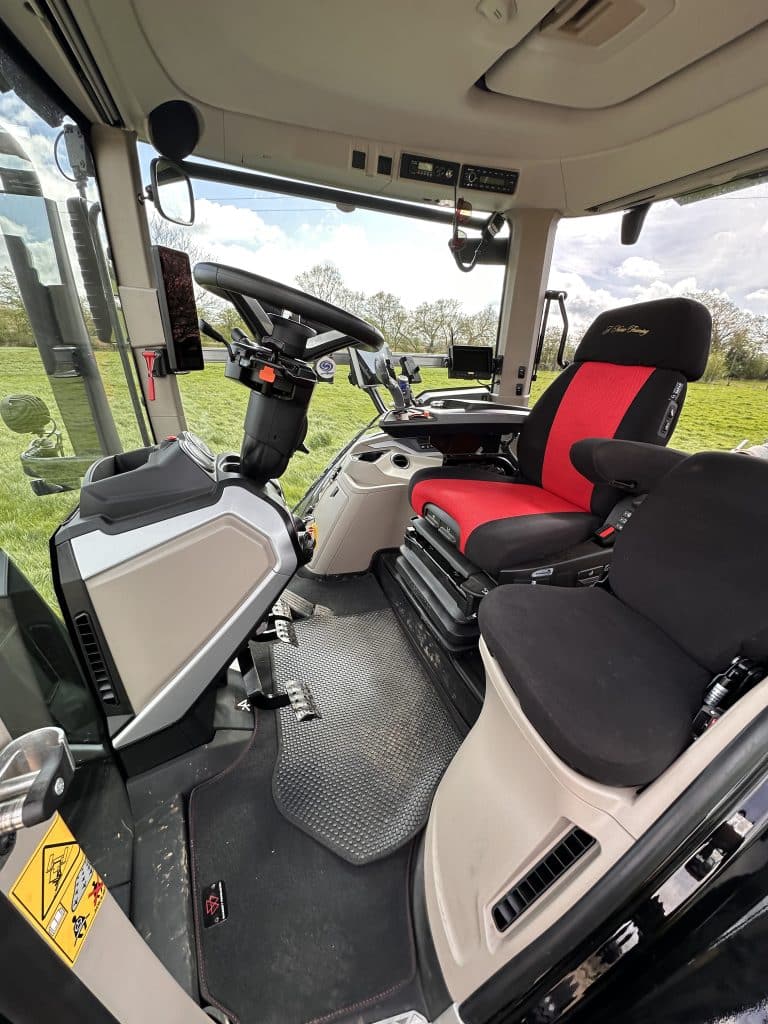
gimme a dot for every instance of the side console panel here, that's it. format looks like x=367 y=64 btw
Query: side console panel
x=363 y=508
x=159 y=602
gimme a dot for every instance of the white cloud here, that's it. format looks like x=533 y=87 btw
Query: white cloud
x=638 y=267
x=761 y=295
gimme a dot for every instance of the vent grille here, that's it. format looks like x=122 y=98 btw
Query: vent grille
x=592 y=22
x=93 y=655
x=532 y=887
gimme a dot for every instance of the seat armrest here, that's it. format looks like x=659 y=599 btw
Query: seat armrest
x=630 y=465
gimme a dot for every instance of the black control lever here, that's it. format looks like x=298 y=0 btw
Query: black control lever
x=240 y=337
x=213 y=334
x=384 y=376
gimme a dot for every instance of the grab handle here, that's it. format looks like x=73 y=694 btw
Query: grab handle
x=36 y=770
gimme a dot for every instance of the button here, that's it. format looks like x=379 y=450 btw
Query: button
x=267 y=374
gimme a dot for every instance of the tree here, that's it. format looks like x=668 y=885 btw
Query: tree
x=728 y=320
x=325 y=282
x=386 y=311
x=15 y=328
x=177 y=236
x=425 y=327
x=480 y=328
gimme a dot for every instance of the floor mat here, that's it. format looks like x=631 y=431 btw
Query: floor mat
x=309 y=937
x=360 y=779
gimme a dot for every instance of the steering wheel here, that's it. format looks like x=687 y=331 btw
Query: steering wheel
x=261 y=302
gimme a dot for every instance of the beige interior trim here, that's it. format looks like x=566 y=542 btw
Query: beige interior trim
x=504 y=801
x=530 y=257
x=365 y=508
x=288 y=107
x=120 y=186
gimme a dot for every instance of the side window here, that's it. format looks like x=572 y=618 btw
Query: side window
x=68 y=393
x=701 y=246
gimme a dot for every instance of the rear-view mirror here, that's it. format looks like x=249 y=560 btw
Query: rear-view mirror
x=171 y=192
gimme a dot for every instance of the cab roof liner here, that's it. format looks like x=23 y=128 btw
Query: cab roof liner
x=587 y=100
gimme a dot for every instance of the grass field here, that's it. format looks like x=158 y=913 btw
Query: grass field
x=715 y=416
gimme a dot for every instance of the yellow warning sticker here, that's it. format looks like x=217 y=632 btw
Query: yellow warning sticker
x=59 y=892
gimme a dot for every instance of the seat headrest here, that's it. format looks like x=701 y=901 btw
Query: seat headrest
x=671 y=334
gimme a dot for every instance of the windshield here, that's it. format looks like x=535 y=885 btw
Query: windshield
x=395 y=272
x=708 y=250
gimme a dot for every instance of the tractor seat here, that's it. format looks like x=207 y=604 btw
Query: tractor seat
x=612 y=681
x=628 y=380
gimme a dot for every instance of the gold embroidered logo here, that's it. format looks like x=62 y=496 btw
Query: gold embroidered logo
x=626 y=329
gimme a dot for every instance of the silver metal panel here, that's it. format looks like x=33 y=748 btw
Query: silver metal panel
x=96 y=552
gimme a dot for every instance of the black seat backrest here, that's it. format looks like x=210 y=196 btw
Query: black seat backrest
x=694 y=557
x=628 y=380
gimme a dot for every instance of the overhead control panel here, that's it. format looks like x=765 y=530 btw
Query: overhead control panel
x=427 y=168
x=436 y=171
x=488 y=179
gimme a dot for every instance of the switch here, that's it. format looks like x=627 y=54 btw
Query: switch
x=384 y=165
x=358 y=159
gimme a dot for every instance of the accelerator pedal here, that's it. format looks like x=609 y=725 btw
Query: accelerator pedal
x=302 y=701
x=297 y=695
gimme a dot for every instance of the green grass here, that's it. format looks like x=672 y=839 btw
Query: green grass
x=715 y=416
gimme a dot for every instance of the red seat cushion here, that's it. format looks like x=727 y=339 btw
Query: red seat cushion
x=473 y=503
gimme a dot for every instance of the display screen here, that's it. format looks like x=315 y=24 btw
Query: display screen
x=177 y=304
x=491 y=181
x=470 y=362
x=363 y=365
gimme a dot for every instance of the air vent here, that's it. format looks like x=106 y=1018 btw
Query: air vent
x=593 y=22
x=533 y=886
x=93 y=655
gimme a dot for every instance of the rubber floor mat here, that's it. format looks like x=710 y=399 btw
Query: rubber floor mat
x=307 y=937
x=360 y=779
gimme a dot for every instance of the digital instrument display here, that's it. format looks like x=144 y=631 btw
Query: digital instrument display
x=178 y=310
x=431 y=169
x=489 y=179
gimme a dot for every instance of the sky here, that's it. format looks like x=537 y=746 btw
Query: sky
x=714 y=244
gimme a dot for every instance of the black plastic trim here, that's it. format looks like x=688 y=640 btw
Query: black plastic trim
x=539 y=880
x=11 y=45
x=72 y=595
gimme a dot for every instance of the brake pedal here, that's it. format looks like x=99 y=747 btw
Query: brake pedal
x=302 y=701
x=282 y=619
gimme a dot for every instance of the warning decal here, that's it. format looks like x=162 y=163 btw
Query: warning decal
x=59 y=892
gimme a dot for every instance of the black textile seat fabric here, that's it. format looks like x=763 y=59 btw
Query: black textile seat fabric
x=606 y=689
x=628 y=380
x=612 y=681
